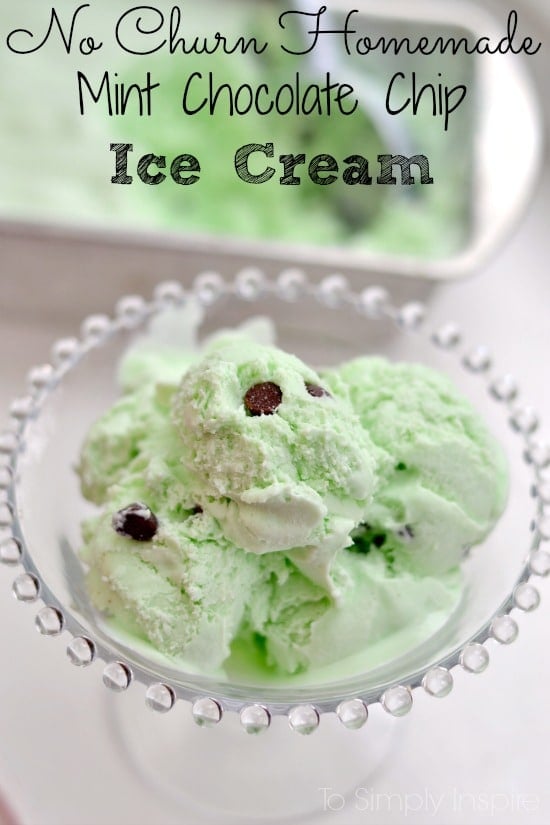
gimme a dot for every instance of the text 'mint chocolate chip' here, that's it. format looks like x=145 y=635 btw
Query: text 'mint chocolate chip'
x=263 y=399
x=136 y=521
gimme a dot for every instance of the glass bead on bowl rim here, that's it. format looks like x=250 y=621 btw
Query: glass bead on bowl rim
x=64 y=350
x=474 y=658
x=6 y=515
x=542 y=526
x=438 y=682
x=117 y=676
x=504 y=629
x=478 y=359
x=542 y=491
x=81 y=651
x=8 y=443
x=250 y=283
x=411 y=316
x=6 y=478
x=537 y=453
x=49 y=621
x=22 y=407
x=539 y=563
x=206 y=712
x=26 y=588
x=397 y=700
x=504 y=388
x=524 y=420
x=255 y=719
x=333 y=291
x=447 y=336
x=169 y=293
x=160 y=697
x=39 y=377
x=95 y=327
x=373 y=302
x=208 y=287
x=130 y=310
x=526 y=597
x=304 y=719
x=10 y=551
x=352 y=713
x=291 y=284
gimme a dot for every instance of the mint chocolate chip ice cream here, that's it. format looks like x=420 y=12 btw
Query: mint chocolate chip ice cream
x=252 y=504
x=442 y=480
x=280 y=469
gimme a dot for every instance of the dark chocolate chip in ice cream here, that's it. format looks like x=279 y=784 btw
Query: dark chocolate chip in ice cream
x=405 y=533
x=316 y=391
x=137 y=521
x=263 y=399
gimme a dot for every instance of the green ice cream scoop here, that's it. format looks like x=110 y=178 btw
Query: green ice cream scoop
x=442 y=476
x=282 y=463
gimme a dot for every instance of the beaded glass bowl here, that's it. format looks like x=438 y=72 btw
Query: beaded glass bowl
x=41 y=508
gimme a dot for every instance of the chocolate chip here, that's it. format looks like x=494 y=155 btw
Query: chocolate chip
x=136 y=522
x=196 y=510
x=263 y=399
x=316 y=391
x=405 y=533
x=367 y=537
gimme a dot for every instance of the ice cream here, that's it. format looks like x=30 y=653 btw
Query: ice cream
x=443 y=482
x=250 y=503
x=277 y=460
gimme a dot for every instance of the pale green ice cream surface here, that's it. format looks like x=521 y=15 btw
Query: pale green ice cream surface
x=291 y=540
x=295 y=481
x=443 y=479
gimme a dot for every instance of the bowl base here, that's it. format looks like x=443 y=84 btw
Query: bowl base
x=274 y=776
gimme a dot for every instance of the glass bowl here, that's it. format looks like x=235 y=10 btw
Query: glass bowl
x=41 y=507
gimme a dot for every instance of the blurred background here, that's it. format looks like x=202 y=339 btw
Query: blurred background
x=60 y=166
x=71 y=244
x=57 y=164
